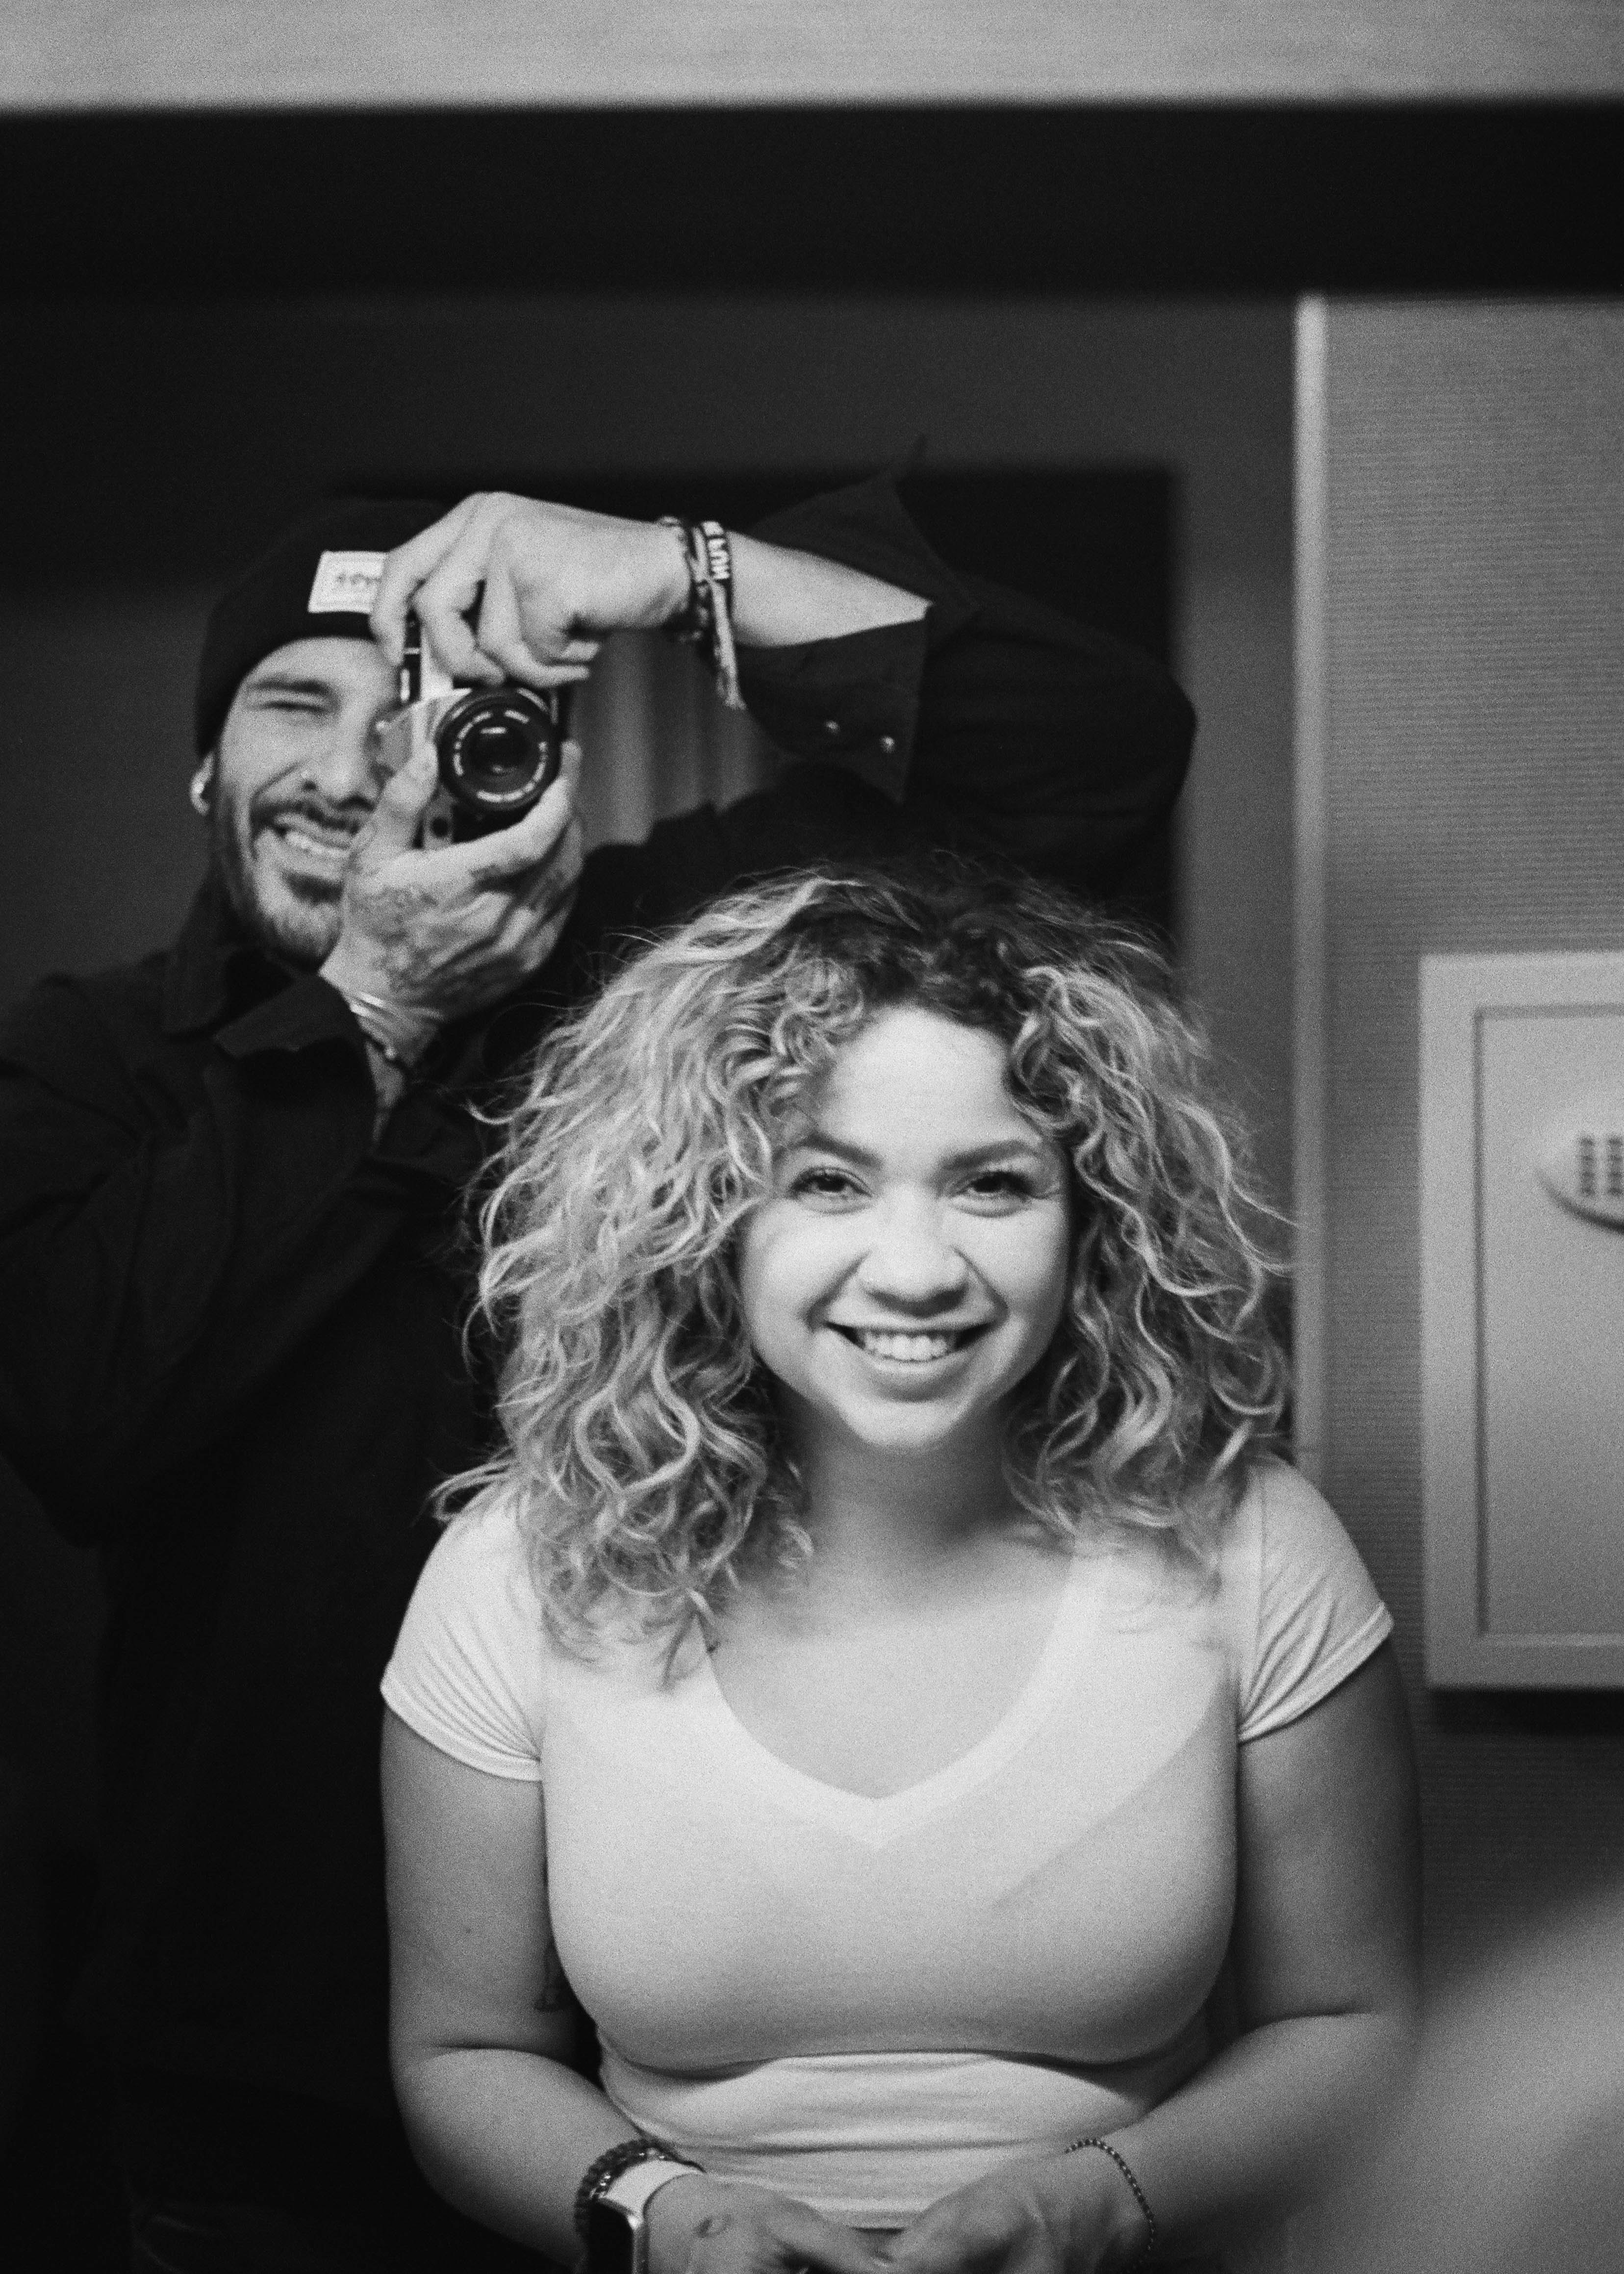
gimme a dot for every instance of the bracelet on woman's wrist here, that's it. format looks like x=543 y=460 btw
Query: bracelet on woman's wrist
x=600 y=2176
x=1139 y=2197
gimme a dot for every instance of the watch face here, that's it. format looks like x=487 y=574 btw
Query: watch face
x=611 y=2240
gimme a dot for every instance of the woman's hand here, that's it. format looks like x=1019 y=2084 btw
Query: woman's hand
x=1050 y=2215
x=724 y=2226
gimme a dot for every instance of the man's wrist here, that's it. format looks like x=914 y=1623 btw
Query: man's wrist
x=399 y=1032
x=673 y=583
x=786 y=598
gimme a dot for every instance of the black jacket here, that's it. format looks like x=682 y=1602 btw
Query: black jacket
x=229 y=1320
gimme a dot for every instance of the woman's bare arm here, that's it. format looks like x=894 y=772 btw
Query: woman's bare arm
x=1326 y=1949
x=481 y=2027
x=482 y=2030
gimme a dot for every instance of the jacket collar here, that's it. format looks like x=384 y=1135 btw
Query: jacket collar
x=215 y=968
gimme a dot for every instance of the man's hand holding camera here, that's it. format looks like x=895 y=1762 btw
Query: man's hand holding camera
x=502 y=588
x=542 y=585
x=436 y=935
x=516 y=591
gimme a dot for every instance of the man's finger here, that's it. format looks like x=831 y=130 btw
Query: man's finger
x=405 y=568
x=398 y=814
x=505 y=852
x=515 y=648
x=559 y=872
x=534 y=893
x=526 y=638
x=528 y=844
x=443 y=601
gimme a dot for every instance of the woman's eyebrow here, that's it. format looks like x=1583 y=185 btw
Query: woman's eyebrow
x=1002 y=1149
x=972 y=1157
x=819 y=1140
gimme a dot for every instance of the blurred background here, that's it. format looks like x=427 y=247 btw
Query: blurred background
x=1286 y=341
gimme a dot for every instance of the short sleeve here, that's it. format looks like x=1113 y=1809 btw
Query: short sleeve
x=1317 y=1616
x=468 y=1669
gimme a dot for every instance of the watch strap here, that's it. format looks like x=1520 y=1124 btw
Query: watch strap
x=632 y=2190
x=625 y=2155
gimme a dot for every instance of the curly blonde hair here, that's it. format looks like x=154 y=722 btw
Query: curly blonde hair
x=641 y=1441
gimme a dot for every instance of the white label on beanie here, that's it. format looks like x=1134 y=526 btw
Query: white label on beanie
x=346 y=583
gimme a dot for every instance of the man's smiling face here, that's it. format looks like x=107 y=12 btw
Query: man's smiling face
x=297 y=777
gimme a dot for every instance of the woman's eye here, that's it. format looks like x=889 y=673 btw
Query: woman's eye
x=1005 y=1184
x=824 y=1184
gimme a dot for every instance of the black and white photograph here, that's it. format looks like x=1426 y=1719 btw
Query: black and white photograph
x=812 y=1137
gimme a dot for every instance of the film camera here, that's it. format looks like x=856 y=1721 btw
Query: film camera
x=497 y=747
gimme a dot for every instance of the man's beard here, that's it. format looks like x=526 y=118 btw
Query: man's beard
x=295 y=926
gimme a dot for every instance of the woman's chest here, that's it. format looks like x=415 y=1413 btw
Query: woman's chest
x=876 y=1708
x=1067 y=1887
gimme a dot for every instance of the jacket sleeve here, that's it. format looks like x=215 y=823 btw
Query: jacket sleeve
x=994 y=726
x=167 y=1242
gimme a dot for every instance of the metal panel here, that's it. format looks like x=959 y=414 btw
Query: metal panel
x=1522 y=1318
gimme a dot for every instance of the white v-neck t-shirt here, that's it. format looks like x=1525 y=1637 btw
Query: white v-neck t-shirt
x=866 y=2003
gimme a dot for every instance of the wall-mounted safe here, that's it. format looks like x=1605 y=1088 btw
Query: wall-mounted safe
x=1522 y=1319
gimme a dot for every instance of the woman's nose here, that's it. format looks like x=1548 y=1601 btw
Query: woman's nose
x=909 y=1260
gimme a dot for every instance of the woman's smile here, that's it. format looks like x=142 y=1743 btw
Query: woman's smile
x=904 y=1345
x=910 y=1266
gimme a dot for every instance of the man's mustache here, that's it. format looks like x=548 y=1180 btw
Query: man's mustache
x=348 y=819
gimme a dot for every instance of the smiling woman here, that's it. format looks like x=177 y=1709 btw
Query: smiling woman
x=909 y=1268
x=887 y=1621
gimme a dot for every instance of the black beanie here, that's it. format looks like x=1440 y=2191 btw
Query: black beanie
x=298 y=591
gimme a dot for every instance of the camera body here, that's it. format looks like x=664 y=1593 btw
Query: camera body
x=496 y=747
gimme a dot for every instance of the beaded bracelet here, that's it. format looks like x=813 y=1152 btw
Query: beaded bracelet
x=1121 y=2162
x=602 y=2175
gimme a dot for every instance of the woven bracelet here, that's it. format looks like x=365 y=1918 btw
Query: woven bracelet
x=1121 y=2162
x=704 y=621
x=718 y=562
x=691 y=623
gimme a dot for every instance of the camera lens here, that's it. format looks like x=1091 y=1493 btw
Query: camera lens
x=499 y=748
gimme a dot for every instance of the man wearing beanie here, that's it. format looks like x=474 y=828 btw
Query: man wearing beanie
x=230 y=1286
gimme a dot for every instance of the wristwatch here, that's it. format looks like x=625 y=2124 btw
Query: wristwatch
x=617 y=2232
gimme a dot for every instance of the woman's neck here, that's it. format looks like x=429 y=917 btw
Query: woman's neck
x=883 y=1524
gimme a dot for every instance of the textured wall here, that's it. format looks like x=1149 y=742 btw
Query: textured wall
x=1470 y=614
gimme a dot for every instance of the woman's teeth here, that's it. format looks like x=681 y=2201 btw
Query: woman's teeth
x=912 y=1350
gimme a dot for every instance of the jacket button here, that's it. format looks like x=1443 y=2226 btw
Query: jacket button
x=832 y=728
x=888 y=743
